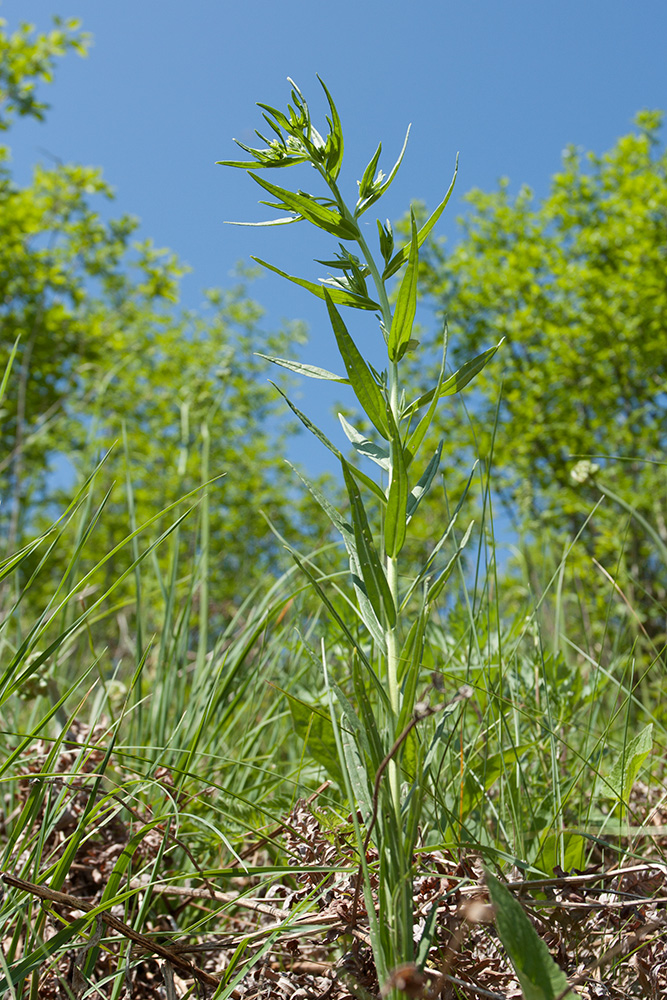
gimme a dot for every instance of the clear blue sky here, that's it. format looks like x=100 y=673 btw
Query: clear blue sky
x=508 y=83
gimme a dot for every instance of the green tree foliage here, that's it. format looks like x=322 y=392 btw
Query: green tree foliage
x=108 y=363
x=576 y=285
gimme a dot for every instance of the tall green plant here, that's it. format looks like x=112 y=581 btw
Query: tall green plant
x=385 y=769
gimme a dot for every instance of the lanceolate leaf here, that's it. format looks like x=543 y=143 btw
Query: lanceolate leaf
x=457 y=381
x=417 y=435
x=435 y=589
x=410 y=666
x=365 y=608
x=372 y=572
x=284 y=221
x=420 y=489
x=423 y=573
x=325 y=218
x=379 y=189
x=339 y=296
x=395 y=517
x=321 y=436
x=366 y=182
x=400 y=258
x=406 y=304
x=538 y=974
x=377 y=453
x=365 y=387
x=310 y=370
x=335 y=146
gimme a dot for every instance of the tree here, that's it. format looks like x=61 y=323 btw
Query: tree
x=576 y=286
x=108 y=363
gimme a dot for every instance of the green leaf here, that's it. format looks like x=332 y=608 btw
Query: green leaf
x=312 y=725
x=363 y=446
x=623 y=774
x=420 y=489
x=346 y=531
x=400 y=258
x=259 y=164
x=386 y=240
x=410 y=665
x=376 y=490
x=459 y=380
x=310 y=370
x=379 y=189
x=372 y=572
x=565 y=849
x=366 y=182
x=339 y=296
x=335 y=146
x=417 y=435
x=355 y=744
x=421 y=576
x=406 y=304
x=435 y=589
x=538 y=974
x=395 y=523
x=306 y=206
x=365 y=387
x=284 y=221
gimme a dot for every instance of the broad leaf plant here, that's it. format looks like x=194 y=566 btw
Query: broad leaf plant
x=385 y=769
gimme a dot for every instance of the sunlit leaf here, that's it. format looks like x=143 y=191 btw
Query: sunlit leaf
x=339 y=296
x=455 y=382
x=400 y=258
x=395 y=516
x=310 y=370
x=406 y=304
x=325 y=218
x=372 y=571
x=365 y=387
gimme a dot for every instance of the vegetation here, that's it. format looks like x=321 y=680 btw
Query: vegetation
x=575 y=285
x=370 y=774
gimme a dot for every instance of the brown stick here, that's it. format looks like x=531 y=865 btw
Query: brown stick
x=42 y=892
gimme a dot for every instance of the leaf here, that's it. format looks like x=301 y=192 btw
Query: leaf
x=285 y=220
x=410 y=666
x=312 y=725
x=339 y=296
x=365 y=608
x=420 y=489
x=368 y=176
x=421 y=576
x=363 y=446
x=321 y=436
x=321 y=216
x=406 y=303
x=310 y=370
x=435 y=589
x=365 y=387
x=379 y=189
x=459 y=380
x=400 y=258
x=285 y=161
x=395 y=523
x=538 y=974
x=335 y=146
x=372 y=572
x=417 y=435
x=355 y=744
x=625 y=770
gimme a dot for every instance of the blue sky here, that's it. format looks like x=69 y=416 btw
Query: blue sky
x=508 y=83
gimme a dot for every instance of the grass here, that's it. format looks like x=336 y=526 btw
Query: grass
x=165 y=789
